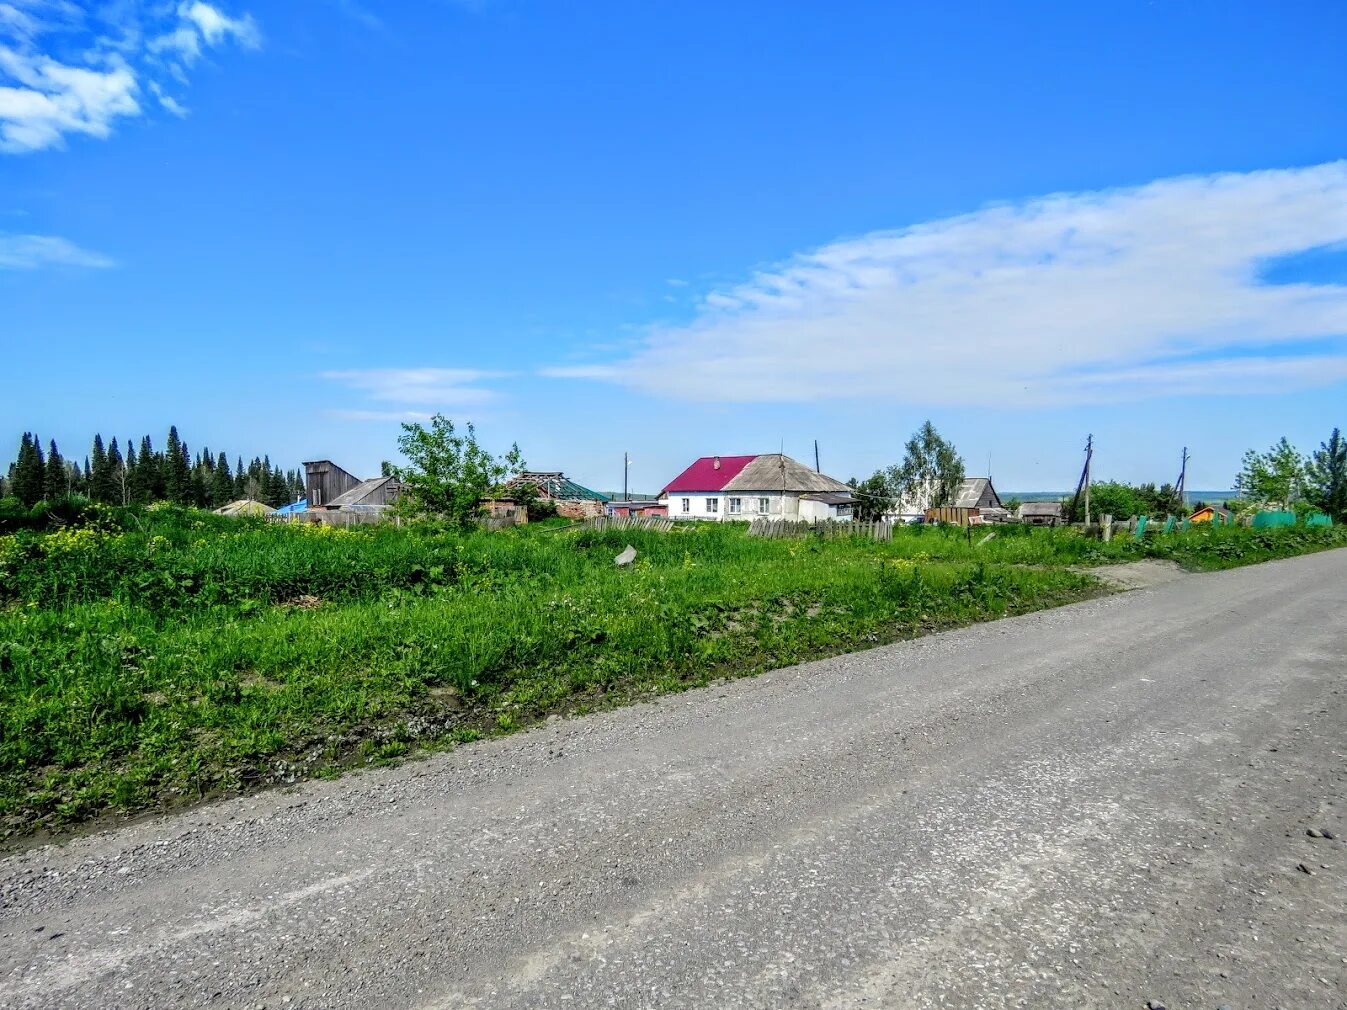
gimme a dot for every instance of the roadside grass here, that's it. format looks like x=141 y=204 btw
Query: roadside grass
x=153 y=658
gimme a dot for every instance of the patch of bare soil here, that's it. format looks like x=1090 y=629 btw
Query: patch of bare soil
x=1138 y=574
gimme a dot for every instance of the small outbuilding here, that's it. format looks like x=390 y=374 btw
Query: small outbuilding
x=245 y=507
x=1210 y=514
x=1041 y=513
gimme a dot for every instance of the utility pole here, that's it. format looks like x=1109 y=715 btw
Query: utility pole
x=816 y=466
x=626 y=464
x=1089 y=457
x=1084 y=483
x=1181 y=489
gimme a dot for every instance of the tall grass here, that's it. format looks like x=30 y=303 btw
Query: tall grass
x=147 y=658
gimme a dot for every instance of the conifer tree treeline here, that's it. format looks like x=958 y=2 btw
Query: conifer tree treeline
x=126 y=474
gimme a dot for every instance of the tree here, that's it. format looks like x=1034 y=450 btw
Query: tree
x=221 y=483
x=449 y=473
x=177 y=470
x=874 y=497
x=117 y=472
x=1326 y=477
x=55 y=477
x=102 y=487
x=29 y=479
x=1275 y=477
x=931 y=471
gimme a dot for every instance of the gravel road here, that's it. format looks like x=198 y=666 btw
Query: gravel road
x=1097 y=806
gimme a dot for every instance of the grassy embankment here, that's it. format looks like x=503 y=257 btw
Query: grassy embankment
x=153 y=658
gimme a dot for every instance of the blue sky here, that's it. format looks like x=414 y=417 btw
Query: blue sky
x=679 y=229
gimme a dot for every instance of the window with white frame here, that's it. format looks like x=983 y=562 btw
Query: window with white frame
x=687 y=504
x=764 y=505
x=712 y=505
x=736 y=506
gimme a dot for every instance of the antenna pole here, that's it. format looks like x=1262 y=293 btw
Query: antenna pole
x=816 y=466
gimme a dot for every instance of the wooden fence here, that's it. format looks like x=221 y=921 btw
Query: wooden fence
x=660 y=524
x=792 y=529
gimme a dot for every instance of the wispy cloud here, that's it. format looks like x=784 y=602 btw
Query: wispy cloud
x=443 y=389
x=28 y=252
x=69 y=69
x=1071 y=298
x=379 y=416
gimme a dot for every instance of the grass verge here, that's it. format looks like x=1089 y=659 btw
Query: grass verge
x=153 y=659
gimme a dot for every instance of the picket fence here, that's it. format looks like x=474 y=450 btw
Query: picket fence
x=793 y=529
x=660 y=524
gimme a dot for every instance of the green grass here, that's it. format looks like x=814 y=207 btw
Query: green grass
x=153 y=658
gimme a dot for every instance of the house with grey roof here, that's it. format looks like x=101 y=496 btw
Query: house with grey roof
x=728 y=488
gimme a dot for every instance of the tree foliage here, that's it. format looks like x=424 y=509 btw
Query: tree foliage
x=1120 y=500
x=448 y=472
x=1326 y=477
x=874 y=497
x=930 y=473
x=144 y=476
x=1275 y=477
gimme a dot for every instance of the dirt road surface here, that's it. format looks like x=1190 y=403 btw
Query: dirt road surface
x=1097 y=806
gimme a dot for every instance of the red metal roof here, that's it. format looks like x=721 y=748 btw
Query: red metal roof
x=703 y=475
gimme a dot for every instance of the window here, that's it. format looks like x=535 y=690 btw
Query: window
x=712 y=505
x=687 y=504
x=764 y=505
x=736 y=506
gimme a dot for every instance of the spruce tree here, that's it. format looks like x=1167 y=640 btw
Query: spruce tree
x=221 y=483
x=101 y=487
x=55 y=479
x=177 y=483
x=117 y=474
x=29 y=477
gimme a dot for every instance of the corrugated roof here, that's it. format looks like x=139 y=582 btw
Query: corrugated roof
x=971 y=491
x=706 y=475
x=775 y=472
x=359 y=493
x=244 y=507
x=1041 y=508
x=829 y=497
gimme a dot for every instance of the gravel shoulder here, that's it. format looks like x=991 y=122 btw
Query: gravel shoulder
x=1098 y=805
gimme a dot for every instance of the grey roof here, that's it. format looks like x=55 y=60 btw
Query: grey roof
x=358 y=494
x=1041 y=508
x=775 y=472
x=971 y=491
x=829 y=497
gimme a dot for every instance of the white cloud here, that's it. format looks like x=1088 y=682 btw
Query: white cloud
x=440 y=388
x=379 y=416
x=1070 y=298
x=27 y=252
x=66 y=70
x=201 y=24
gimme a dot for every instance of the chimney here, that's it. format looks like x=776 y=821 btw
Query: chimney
x=716 y=463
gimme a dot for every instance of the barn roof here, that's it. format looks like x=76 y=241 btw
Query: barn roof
x=358 y=494
x=971 y=491
x=1041 y=508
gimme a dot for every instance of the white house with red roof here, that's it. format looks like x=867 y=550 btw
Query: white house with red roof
x=720 y=488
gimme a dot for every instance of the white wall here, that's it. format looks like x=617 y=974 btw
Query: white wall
x=777 y=504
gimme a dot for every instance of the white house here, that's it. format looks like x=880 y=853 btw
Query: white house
x=720 y=488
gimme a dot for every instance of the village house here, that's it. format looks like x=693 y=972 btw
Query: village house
x=975 y=500
x=729 y=488
x=573 y=501
x=330 y=488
